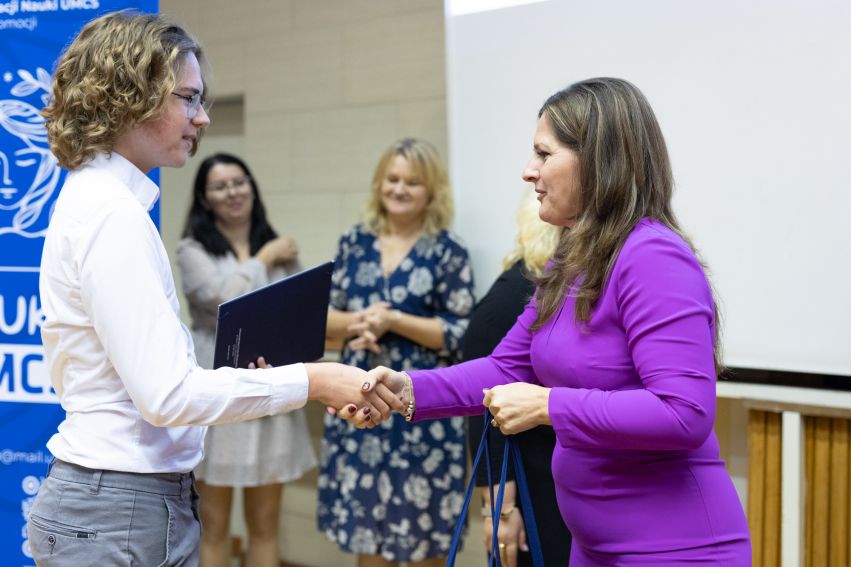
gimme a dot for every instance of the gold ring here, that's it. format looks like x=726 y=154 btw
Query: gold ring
x=495 y=423
x=501 y=546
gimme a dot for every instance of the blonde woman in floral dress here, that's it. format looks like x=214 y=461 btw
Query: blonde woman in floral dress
x=401 y=296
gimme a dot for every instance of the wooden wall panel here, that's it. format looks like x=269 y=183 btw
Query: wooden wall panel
x=764 y=483
x=827 y=529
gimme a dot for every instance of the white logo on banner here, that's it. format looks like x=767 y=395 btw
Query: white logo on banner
x=29 y=173
x=24 y=376
x=30 y=485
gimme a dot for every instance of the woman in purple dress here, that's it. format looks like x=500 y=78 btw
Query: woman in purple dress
x=617 y=351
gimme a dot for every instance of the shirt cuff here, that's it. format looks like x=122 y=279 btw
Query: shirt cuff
x=289 y=386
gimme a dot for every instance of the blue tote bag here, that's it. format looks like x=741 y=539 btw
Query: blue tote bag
x=512 y=451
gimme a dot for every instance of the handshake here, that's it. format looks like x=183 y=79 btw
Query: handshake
x=365 y=399
x=362 y=398
x=382 y=392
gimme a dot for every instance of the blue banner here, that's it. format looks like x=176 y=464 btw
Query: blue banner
x=32 y=36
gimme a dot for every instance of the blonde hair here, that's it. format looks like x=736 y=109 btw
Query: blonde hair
x=536 y=240
x=428 y=167
x=117 y=74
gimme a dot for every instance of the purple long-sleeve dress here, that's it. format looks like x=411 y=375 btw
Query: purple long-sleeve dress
x=636 y=464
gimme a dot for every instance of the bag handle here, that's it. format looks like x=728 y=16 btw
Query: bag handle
x=526 y=504
x=495 y=557
x=511 y=451
x=462 y=517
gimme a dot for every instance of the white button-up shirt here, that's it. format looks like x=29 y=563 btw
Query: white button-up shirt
x=119 y=358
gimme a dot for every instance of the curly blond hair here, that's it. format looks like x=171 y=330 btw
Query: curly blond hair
x=536 y=240
x=116 y=74
x=428 y=167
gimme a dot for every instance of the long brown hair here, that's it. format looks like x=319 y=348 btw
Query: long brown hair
x=624 y=176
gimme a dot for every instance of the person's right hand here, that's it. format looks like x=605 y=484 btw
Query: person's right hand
x=280 y=250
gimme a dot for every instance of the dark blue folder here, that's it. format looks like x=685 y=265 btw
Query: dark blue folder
x=284 y=321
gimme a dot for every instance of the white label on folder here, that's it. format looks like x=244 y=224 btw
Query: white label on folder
x=233 y=348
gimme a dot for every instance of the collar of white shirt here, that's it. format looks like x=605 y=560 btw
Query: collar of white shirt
x=144 y=190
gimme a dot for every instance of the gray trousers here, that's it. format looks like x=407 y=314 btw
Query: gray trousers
x=94 y=517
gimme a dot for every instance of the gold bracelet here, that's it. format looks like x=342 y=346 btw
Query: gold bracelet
x=503 y=515
x=409 y=388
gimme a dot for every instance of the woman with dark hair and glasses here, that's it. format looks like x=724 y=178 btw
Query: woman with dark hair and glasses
x=229 y=248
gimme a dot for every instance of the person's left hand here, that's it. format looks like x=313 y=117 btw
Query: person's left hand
x=518 y=406
x=511 y=537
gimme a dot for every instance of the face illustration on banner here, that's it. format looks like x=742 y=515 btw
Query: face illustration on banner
x=29 y=174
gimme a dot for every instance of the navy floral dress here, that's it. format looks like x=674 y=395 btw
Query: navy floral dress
x=396 y=490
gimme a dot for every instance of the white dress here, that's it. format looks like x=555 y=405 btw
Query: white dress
x=268 y=450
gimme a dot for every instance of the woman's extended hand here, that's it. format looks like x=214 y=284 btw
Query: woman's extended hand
x=518 y=407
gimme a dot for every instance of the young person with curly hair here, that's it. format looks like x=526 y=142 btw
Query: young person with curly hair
x=128 y=96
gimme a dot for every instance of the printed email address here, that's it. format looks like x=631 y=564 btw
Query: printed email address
x=10 y=457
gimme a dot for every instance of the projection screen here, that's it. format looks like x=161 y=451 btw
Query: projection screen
x=754 y=99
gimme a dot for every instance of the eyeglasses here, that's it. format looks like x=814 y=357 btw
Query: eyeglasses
x=238 y=184
x=194 y=103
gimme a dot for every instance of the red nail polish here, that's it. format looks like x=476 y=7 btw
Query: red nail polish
x=366 y=410
x=352 y=408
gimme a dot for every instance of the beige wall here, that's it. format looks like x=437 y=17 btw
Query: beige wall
x=327 y=86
